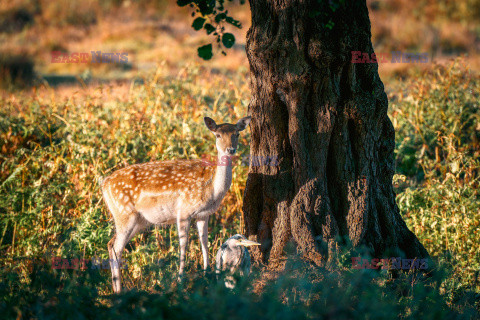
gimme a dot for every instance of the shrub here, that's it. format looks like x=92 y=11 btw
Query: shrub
x=438 y=151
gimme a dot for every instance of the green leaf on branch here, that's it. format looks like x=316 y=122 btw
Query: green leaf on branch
x=198 y=23
x=212 y=16
x=209 y=28
x=205 y=52
x=206 y=7
x=330 y=24
x=219 y=17
x=233 y=22
x=228 y=40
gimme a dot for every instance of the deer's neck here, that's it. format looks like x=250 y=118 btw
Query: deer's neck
x=223 y=176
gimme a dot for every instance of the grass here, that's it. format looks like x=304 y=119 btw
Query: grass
x=301 y=292
x=438 y=152
x=58 y=150
x=57 y=143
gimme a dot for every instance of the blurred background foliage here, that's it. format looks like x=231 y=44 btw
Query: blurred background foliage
x=153 y=31
x=62 y=126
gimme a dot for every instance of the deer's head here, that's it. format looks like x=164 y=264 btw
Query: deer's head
x=227 y=134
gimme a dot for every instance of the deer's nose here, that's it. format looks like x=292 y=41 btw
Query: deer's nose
x=231 y=151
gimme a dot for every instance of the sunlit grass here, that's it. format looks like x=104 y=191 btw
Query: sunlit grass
x=57 y=148
x=438 y=152
x=56 y=143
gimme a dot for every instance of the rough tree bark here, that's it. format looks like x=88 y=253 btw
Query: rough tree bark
x=325 y=119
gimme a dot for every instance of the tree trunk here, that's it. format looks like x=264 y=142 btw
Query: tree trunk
x=325 y=120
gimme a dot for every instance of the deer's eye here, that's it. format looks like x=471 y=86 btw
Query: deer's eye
x=217 y=135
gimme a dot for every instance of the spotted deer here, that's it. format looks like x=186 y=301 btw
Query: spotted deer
x=168 y=192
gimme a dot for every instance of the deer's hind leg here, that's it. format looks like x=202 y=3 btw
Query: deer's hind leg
x=124 y=233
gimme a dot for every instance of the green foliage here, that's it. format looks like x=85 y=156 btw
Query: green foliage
x=216 y=16
x=198 y=23
x=53 y=154
x=205 y=52
x=299 y=292
x=437 y=124
x=54 y=150
x=228 y=40
x=438 y=151
x=326 y=11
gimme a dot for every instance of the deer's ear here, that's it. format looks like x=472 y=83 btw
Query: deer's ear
x=243 y=123
x=210 y=123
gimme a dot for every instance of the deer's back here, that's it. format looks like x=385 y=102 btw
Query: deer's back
x=159 y=190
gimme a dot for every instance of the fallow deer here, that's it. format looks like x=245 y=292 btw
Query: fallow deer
x=168 y=192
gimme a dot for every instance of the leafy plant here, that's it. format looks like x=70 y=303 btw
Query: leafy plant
x=212 y=16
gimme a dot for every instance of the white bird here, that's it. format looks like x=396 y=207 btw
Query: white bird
x=233 y=257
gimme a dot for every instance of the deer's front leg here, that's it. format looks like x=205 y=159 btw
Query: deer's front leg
x=202 y=226
x=183 y=226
